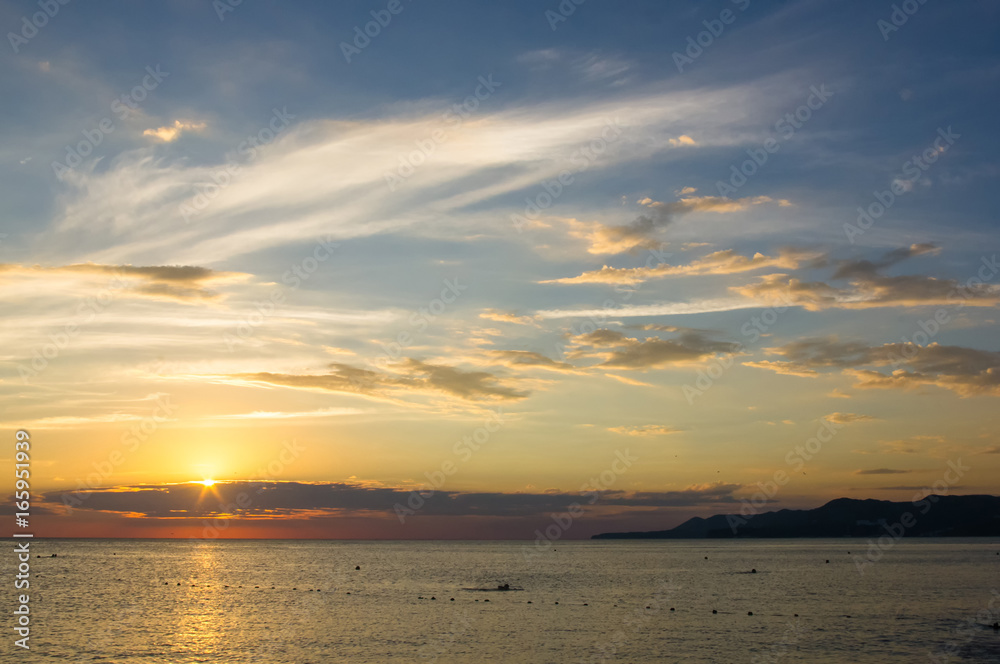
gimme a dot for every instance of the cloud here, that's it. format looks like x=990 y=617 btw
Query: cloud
x=847 y=418
x=645 y=430
x=640 y=232
x=882 y=471
x=176 y=282
x=618 y=351
x=824 y=352
x=720 y=262
x=784 y=368
x=173 y=132
x=525 y=358
x=275 y=415
x=867 y=269
x=870 y=289
x=407 y=376
x=628 y=381
x=508 y=317
x=683 y=139
x=909 y=446
x=965 y=371
x=130 y=207
x=645 y=310
x=269 y=499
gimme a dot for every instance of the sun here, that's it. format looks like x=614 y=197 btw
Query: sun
x=208 y=483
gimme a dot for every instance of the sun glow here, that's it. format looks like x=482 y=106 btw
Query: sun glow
x=208 y=483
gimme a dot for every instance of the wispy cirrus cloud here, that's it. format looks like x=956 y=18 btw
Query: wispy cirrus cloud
x=178 y=282
x=645 y=430
x=407 y=376
x=719 y=262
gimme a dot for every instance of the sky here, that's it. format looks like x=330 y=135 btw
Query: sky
x=525 y=270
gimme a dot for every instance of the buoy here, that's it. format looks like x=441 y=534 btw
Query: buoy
x=529 y=601
x=452 y=599
x=796 y=615
x=486 y=600
x=357 y=567
x=749 y=613
x=714 y=611
x=671 y=608
x=489 y=600
x=753 y=571
x=647 y=607
x=433 y=597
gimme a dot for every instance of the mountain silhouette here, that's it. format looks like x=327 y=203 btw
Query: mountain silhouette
x=933 y=516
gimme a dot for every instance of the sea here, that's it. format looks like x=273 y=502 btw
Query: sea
x=295 y=601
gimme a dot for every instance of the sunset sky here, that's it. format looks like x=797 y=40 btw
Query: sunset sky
x=632 y=256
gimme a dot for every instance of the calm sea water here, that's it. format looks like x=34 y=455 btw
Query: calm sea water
x=280 y=602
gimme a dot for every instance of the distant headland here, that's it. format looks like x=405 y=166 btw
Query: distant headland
x=933 y=516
